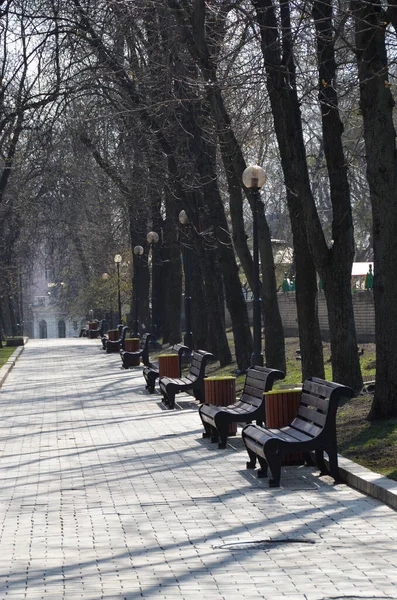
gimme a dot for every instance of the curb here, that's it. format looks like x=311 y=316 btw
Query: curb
x=373 y=484
x=6 y=368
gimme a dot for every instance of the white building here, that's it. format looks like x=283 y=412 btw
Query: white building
x=44 y=318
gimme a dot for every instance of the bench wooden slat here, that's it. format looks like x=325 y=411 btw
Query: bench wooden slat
x=320 y=403
x=311 y=415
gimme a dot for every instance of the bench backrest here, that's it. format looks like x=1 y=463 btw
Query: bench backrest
x=318 y=405
x=200 y=359
x=145 y=341
x=258 y=381
x=123 y=335
x=180 y=349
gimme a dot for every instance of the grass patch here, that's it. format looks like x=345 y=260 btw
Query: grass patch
x=372 y=445
x=5 y=354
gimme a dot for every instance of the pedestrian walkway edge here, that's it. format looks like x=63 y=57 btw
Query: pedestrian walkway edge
x=373 y=484
x=6 y=368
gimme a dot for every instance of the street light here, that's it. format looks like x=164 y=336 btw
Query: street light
x=138 y=251
x=152 y=239
x=188 y=339
x=117 y=260
x=254 y=177
x=105 y=277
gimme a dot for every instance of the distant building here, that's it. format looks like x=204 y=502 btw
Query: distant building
x=43 y=317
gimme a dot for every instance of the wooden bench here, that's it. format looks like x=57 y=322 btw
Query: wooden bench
x=251 y=406
x=133 y=358
x=151 y=372
x=93 y=334
x=105 y=337
x=313 y=429
x=116 y=345
x=193 y=381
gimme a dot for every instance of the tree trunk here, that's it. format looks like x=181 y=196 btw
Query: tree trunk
x=376 y=103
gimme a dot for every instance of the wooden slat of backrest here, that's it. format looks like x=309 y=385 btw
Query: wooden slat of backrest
x=315 y=401
x=255 y=374
x=253 y=391
x=252 y=400
x=306 y=427
x=194 y=371
x=312 y=416
x=259 y=384
x=318 y=388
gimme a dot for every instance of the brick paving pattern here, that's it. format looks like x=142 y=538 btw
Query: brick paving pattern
x=105 y=495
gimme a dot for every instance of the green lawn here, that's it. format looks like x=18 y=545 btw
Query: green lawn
x=5 y=354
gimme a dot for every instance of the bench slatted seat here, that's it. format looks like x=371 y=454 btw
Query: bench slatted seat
x=129 y=358
x=151 y=372
x=216 y=419
x=313 y=429
x=114 y=346
x=193 y=381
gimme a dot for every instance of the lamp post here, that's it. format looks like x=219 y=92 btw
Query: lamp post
x=152 y=239
x=138 y=251
x=105 y=277
x=188 y=339
x=117 y=260
x=254 y=178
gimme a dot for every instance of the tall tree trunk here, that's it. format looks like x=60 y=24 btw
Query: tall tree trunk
x=171 y=274
x=376 y=103
x=329 y=262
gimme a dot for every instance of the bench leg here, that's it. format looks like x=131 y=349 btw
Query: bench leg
x=198 y=393
x=273 y=459
x=222 y=434
x=207 y=429
x=307 y=457
x=150 y=383
x=333 y=465
x=262 y=472
x=171 y=399
x=320 y=462
x=214 y=435
x=251 y=464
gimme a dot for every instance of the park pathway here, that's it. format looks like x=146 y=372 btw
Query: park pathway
x=105 y=495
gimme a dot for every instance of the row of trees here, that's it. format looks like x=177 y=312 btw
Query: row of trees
x=117 y=115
